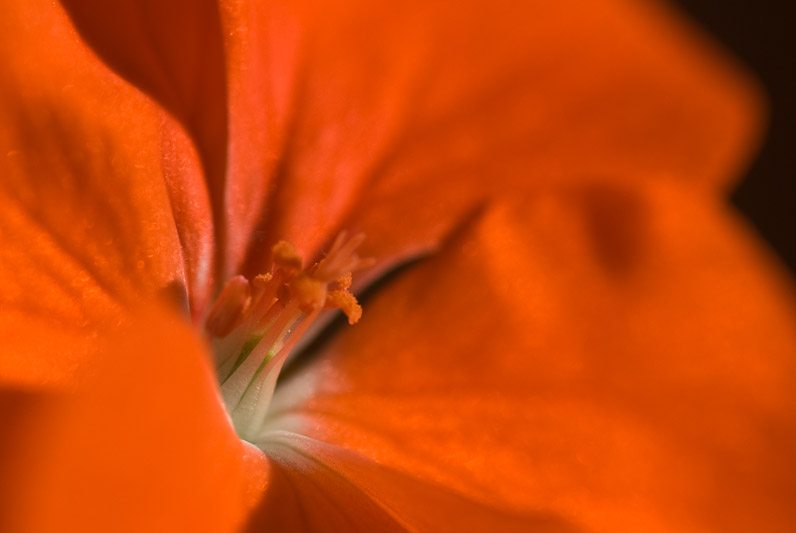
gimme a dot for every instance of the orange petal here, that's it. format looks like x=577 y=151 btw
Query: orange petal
x=400 y=122
x=344 y=113
x=620 y=357
x=144 y=446
x=173 y=52
x=317 y=487
x=86 y=221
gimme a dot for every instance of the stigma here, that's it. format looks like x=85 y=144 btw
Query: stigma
x=254 y=324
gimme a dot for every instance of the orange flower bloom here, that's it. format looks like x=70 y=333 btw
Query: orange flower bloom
x=566 y=329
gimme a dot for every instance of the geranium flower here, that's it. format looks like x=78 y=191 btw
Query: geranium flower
x=566 y=330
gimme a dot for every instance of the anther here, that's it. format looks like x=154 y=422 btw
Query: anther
x=347 y=303
x=285 y=257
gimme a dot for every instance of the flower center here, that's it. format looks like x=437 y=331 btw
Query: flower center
x=254 y=324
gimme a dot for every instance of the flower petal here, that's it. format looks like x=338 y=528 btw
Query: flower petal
x=400 y=121
x=345 y=113
x=317 y=487
x=144 y=446
x=621 y=357
x=86 y=222
x=173 y=52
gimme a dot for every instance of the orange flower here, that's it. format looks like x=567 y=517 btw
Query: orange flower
x=589 y=341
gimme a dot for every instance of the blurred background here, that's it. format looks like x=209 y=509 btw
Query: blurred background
x=762 y=34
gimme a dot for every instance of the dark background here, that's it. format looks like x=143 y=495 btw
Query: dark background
x=762 y=34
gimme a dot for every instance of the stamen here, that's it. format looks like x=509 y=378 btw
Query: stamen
x=345 y=282
x=309 y=291
x=286 y=257
x=254 y=325
x=229 y=307
x=347 y=303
